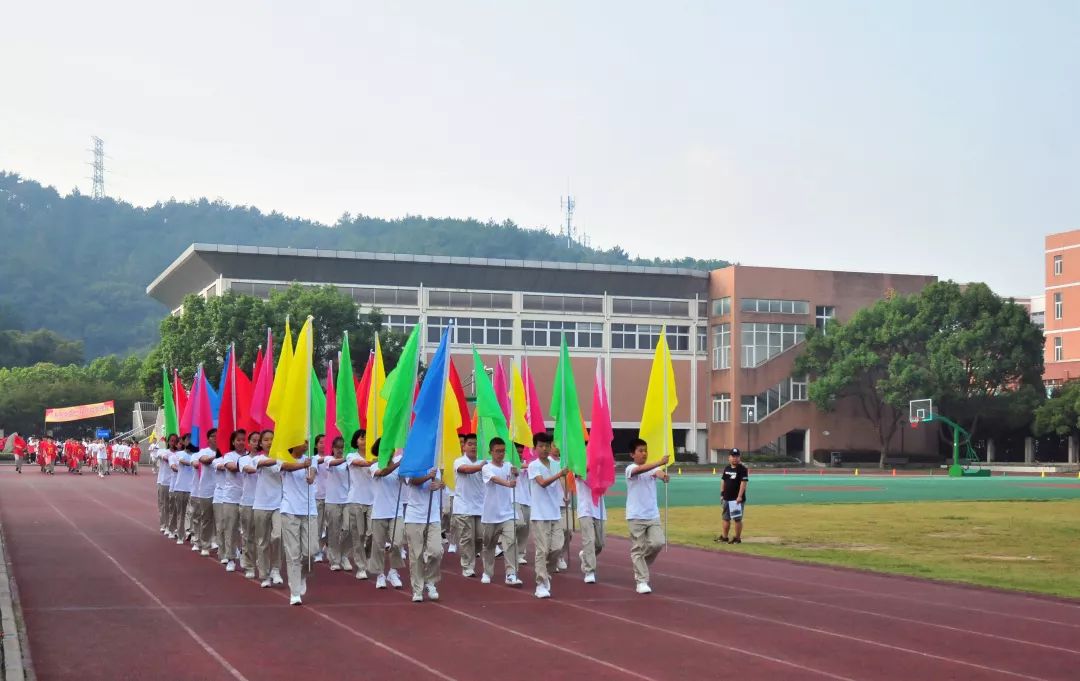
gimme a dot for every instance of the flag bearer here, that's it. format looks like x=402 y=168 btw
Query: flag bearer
x=422 y=534
x=299 y=519
x=545 y=478
x=468 y=504
x=358 y=503
x=337 y=496
x=497 y=521
x=592 y=518
x=267 y=513
x=643 y=513
x=387 y=528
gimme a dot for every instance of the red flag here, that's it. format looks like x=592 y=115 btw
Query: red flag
x=202 y=418
x=180 y=399
x=264 y=381
x=535 y=412
x=331 y=411
x=228 y=416
x=599 y=457
x=459 y=395
x=185 y=411
x=247 y=421
x=363 y=387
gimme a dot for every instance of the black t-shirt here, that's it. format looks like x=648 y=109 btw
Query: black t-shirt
x=733 y=477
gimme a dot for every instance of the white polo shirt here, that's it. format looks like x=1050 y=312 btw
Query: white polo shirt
x=468 y=489
x=297 y=496
x=267 y=486
x=387 y=502
x=641 y=495
x=337 y=483
x=422 y=505
x=247 y=480
x=498 y=499
x=206 y=481
x=545 y=500
x=585 y=506
x=361 y=484
x=232 y=487
x=185 y=474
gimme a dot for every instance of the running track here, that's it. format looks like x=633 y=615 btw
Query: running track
x=105 y=596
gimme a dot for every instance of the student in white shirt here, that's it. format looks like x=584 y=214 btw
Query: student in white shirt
x=299 y=519
x=468 y=505
x=545 y=480
x=202 y=496
x=566 y=520
x=232 y=490
x=643 y=513
x=387 y=528
x=248 y=479
x=185 y=478
x=164 y=479
x=359 y=500
x=267 y=513
x=422 y=522
x=592 y=518
x=321 y=470
x=497 y=519
x=338 y=542
x=523 y=503
x=103 y=462
x=218 y=469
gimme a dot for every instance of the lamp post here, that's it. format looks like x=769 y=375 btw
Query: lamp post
x=749 y=420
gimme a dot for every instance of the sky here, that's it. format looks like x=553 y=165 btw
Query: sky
x=917 y=137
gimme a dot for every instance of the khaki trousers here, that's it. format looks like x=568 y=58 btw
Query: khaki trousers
x=219 y=516
x=267 y=541
x=247 y=538
x=522 y=529
x=163 y=505
x=179 y=513
x=646 y=542
x=380 y=535
x=338 y=544
x=299 y=541
x=202 y=517
x=592 y=543
x=467 y=530
x=492 y=534
x=425 y=558
x=548 y=544
x=320 y=506
x=568 y=531
x=230 y=530
x=358 y=524
x=189 y=523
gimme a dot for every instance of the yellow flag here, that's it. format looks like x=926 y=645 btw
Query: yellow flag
x=291 y=424
x=275 y=402
x=520 y=431
x=376 y=405
x=660 y=403
x=451 y=421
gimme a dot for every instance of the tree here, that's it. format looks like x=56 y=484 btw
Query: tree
x=25 y=393
x=1059 y=415
x=19 y=348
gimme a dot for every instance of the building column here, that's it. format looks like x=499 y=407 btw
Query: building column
x=990 y=450
x=1073 y=449
x=1029 y=449
x=808 y=454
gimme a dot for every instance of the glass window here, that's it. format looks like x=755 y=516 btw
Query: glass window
x=798 y=389
x=774 y=306
x=472 y=330
x=748 y=409
x=646 y=336
x=548 y=333
x=721 y=408
x=1059 y=307
x=721 y=346
x=702 y=309
x=762 y=342
x=554 y=303
x=401 y=323
x=651 y=308
x=1059 y=353
x=1057 y=265
x=471 y=299
x=702 y=339
x=721 y=307
x=823 y=316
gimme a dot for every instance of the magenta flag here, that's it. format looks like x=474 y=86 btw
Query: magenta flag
x=536 y=411
x=202 y=417
x=260 y=394
x=185 y=415
x=502 y=389
x=331 y=412
x=599 y=457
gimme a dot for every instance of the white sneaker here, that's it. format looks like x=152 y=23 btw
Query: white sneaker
x=214 y=546
x=361 y=574
x=204 y=552
x=512 y=580
x=590 y=578
x=452 y=548
x=417 y=597
x=295 y=600
x=643 y=588
x=230 y=567
x=542 y=591
x=194 y=547
x=380 y=582
x=432 y=592
x=468 y=572
x=346 y=565
x=333 y=568
x=319 y=558
x=275 y=576
x=179 y=542
x=404 y=555
x=249 y=574
x=394 y=579
x=266 y=583
x=561 y=564
x=484 y=579
x=303 y=586
x=523 y=561
x=223 y=560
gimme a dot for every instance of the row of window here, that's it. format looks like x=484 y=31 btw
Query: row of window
x=776 y=306
x=754 y=408
x=762 y=342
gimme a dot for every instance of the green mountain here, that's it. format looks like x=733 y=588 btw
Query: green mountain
x=80 y=267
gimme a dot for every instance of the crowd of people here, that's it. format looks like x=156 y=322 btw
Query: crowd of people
x=257 y=514
x=96 y=455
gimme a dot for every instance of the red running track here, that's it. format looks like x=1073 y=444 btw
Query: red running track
x=105 y=596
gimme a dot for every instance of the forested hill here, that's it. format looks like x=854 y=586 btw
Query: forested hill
x=80 y=267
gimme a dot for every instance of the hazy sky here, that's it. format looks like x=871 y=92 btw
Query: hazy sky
x=924 y=137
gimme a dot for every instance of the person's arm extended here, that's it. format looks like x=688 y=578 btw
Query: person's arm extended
x=546 y=482
x=232 y=466
x=182 y=462
x=361 y=462
x=334 y=462
x=206 y=458
x=419 y=482
x=266 y=462
x=250 y=469
x=503 y=481
x=296 y=465
x=645 y=468
x=383 y=472
x=467 y=468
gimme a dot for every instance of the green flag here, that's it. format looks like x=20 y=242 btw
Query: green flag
x=398 y=392
x=348 y=414
x=171 y=424
x=490 y=420
x=569 y=429
x=316 y=412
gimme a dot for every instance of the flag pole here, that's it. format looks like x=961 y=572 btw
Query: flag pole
x=307 y=408
x=667 y=419
x=564 y=452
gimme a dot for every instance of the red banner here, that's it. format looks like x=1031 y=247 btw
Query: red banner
x=82 y=411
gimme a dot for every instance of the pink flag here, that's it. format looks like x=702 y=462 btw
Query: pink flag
x=332 y=431
x=599 y=457
x=189 y=403
x=502 y=389
x=363 y=387
x=260 y=394
x=536 y=411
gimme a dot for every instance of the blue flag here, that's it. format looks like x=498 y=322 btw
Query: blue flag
x=424 y=438
x=215 y=395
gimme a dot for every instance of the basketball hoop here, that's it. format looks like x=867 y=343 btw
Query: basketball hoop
x=914 y=423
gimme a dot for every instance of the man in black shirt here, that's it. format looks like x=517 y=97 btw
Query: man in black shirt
x=735 y=479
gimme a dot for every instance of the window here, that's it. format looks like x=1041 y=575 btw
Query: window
x=545 y=333
x=721 y=408
x=471 y=299
x=1038 y=319
x=1059 y=307
x=702 y=309
x=1059 y=352
x=652 y=308
x=748 y=409
x=702 y=339
x=721 y=348
x=798 y=389
x=401 y=323
x=646 y=336
x=721 y=307
x=1057 y=265
x=774 y=306
x=757 y=407
x=762 y=342
x=823 y=316
x=552 y=303
x=369 y=296
x=472 y=330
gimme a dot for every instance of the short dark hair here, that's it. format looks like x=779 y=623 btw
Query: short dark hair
x=637 y=442
x=496 y=441
x=469 y=436
x=336 y=441
x=354 y=442
x=232 y=436
x=212 y=432
x=542 y=437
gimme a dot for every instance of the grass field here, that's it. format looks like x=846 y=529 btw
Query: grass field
x=1025 y=545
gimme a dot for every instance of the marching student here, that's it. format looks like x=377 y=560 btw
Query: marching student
x=135 y=454
x=321 y=471
x=497 y=521
x=642 y=512
x=358 y=502
x=267 y=513
x=299 y=519
x=202 y=496
x=164 y=478
x=566 y=510
x=545 y=478
x=102 y=456
x=449 y=529
x=592 y=517
x=338 y=542
x=249 y=478
x=232 y=490
x=387 y=528
x=20 y=452
x=422 y=523
x=185 y=479
x=524 y=502
x=468 y=505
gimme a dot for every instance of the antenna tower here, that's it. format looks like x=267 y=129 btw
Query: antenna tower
x=99 y=168
x=567 y=205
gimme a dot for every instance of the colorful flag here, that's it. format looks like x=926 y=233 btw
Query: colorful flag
x=502 y=390
x=520 y=430
x=398 y=391
x=185 y=415
x=172 y=424
x=292 y=388
x=346 y=411
x=375 y=410
x=459 y=397
x=437 y=419
x=247 y=419
x=599 y=457
x=202 y=415
x=275 y=404
x=180 y=399
x=660 y=403
x=330 y=426
x=569 y=432
x=535 y=411
x=316 y=412
x=228 y=414
x=489 y=415
x=264 y=381
x=363 y=390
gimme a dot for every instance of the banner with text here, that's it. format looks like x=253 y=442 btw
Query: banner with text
x=77 y=413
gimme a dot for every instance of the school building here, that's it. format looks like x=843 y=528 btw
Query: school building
x=734 y=332
x=1061 y=304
